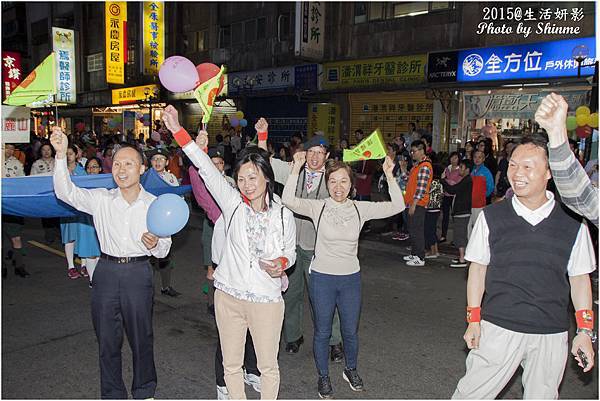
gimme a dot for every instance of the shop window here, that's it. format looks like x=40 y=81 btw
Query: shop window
x=225 y=36
x=360 y=12
x=250 y=31
x=440 y=5
x=261 y=28
x=95 y=62
x=409 y=9
x=201 y=39
x=237 y=34
x=39 y=32
x=283 y=27
x=376 y=11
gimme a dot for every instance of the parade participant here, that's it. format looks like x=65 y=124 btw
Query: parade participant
x=335 y=270
x=452 y=175
x=107 y=160
x=311 y=185
x=526 y=276
x=122 y=293
x=462 y=191
x=69 y=226
x=12 y=226
x=417 y=197
x=575 y=188
x=502 y=183
x=259 y=246
x=480 y=170
x=87 y=246
x=432 y=213
x=44 y=165
x=158 y=159
x=213 y=253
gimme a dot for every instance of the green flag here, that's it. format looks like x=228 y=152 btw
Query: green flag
x=40 y=85
x=372 y=147
x=206 y=93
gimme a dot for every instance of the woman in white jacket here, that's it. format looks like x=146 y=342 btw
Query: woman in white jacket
x=260 y=243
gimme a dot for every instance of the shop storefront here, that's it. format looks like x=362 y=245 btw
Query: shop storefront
x=274 y=94
x=368 y=108
x=132 y=111
x=505 y=84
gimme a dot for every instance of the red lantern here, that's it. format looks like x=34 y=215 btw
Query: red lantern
x=583 y=132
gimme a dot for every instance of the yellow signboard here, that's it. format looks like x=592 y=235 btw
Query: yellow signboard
x=324 y=117
x=389 y=111
x=134 y=94
x=154 y=36
x=374 y=72
x=115 y=21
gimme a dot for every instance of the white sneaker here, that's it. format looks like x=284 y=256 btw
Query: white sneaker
x=409 y=257
x=252 y=380
x=417 y=261
x=433 y=256
x=222 y=393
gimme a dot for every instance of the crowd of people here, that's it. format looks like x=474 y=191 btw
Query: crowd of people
x=283 y=221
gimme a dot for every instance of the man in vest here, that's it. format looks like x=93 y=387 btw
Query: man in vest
x=417 y=198
x=312 y=185
x=527 y=273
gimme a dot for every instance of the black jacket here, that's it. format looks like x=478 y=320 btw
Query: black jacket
x=463 y=191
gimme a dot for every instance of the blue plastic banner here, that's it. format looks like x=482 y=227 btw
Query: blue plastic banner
x=34 y=196
x=529 y=61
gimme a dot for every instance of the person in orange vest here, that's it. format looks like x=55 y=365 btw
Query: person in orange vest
x=417 y=197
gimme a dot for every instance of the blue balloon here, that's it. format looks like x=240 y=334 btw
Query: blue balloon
x=167 y=215
x=243 y=122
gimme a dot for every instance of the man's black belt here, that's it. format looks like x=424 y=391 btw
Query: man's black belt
x=117 y=259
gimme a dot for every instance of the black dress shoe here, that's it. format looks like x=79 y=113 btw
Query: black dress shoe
x=337 y=353
x=20 y=271
x=294 y=346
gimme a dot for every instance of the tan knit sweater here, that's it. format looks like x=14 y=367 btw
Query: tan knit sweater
x=337 y=238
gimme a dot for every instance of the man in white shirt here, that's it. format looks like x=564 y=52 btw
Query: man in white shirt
x=527 y=272
x=122 y=289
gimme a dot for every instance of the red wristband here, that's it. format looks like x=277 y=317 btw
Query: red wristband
x=473 y=314
x=182 y=137
x=585 y=319
x=284 y=262
x=262 y=136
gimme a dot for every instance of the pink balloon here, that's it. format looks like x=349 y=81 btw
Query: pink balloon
x=178 y=74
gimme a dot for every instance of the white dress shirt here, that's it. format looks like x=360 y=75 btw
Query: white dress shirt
x=581 y=261
x=119 y=225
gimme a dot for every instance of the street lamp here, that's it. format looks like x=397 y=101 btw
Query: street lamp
x=579 y=54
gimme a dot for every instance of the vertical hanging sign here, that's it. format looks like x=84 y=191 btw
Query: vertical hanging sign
x=154 y=36
x=310 y=29
x=11 y=72
x=63 y=44
x=115 y=20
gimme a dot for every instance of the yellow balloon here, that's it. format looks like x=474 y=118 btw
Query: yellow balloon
x=593 y=120
x=582 y=110
x=240 y=114
x=583 y=119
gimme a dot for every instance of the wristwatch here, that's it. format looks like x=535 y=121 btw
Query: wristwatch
x=588 y=332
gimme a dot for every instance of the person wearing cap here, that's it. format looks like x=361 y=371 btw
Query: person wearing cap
x=158 y=159
x=122 y=291
x=311 y=185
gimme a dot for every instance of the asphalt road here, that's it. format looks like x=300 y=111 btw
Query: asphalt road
x=411 y=331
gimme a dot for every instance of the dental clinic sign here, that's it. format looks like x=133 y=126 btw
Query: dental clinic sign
x=529 y=61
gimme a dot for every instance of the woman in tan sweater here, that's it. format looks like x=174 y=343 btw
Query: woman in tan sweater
x=335 y=269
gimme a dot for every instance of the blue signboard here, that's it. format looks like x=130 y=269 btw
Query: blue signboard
x=529 y=61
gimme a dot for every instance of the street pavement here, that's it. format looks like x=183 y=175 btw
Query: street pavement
x=410 y=332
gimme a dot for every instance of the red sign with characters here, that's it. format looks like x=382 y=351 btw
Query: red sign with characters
x=11 y=72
